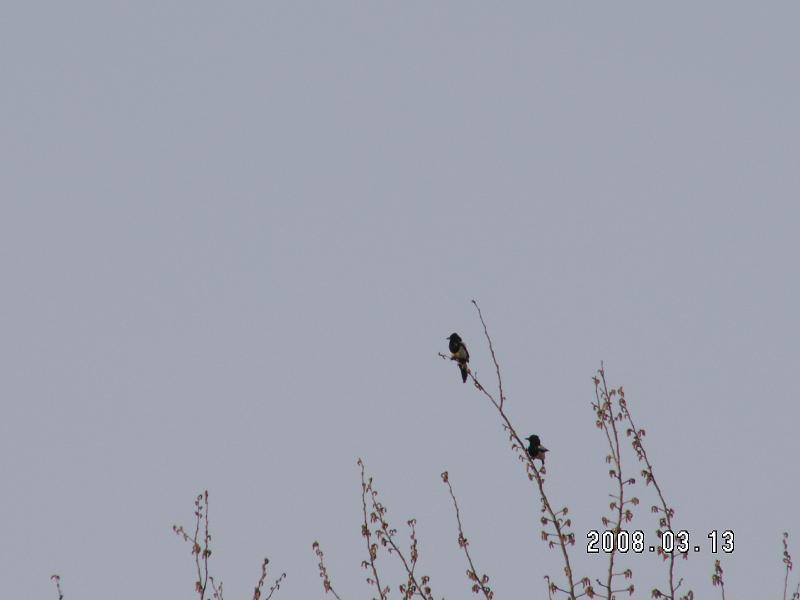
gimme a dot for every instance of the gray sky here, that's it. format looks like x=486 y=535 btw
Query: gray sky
x=234 y=236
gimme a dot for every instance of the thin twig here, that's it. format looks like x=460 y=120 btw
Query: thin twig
x=665 y=522
x=57 y=579
x=206 y=541
x=494 y=357
x=216 y=589
x=717 y=580
x=275 y=586
x=787 y=561
x=372 y=549
x=413 y=555
x=259 y=586
x=480 y=581
x=202 y=553
x=607 y=421
x=549 y=587
x=200 y=503
x=386 y=536
x=323 y=571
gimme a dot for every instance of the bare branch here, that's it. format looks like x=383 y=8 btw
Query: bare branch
x=385 y=535
x=260 y=585
x=202 y=552
x=275 y=586
x=323 y=571
x=716 y=579
x=216 y=589
x=494 y=357
x=607 y=420
x=479 y=582
x=787 y=561
x=57 y=580
x=366 y=532
x=665 y=521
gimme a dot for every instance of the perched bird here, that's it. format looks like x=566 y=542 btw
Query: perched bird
x=536 y=450
x=460 y=354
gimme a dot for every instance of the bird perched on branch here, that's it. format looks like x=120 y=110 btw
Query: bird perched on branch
x=460 y=354
x=536 y=450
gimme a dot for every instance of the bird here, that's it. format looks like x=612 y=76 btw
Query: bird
x=460 y=354
x=536 y=450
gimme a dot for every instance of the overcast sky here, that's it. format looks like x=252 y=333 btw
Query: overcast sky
x=233 y=237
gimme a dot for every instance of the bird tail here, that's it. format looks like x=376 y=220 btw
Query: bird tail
x=464 y=371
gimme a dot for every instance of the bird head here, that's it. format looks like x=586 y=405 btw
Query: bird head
x=454 y=337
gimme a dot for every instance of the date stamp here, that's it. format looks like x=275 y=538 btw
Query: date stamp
x=624 y=541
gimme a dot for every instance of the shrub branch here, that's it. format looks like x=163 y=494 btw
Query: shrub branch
x=607 y=419
x=480 y=583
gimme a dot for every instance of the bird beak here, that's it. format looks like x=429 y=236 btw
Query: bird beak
x=543 y=449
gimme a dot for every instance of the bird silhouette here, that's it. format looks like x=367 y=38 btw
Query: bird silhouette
x=536 y=450
x=460 y=354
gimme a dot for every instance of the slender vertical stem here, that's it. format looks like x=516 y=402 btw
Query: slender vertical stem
x=464 y=544
x=372 y=549
x=651 y=478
